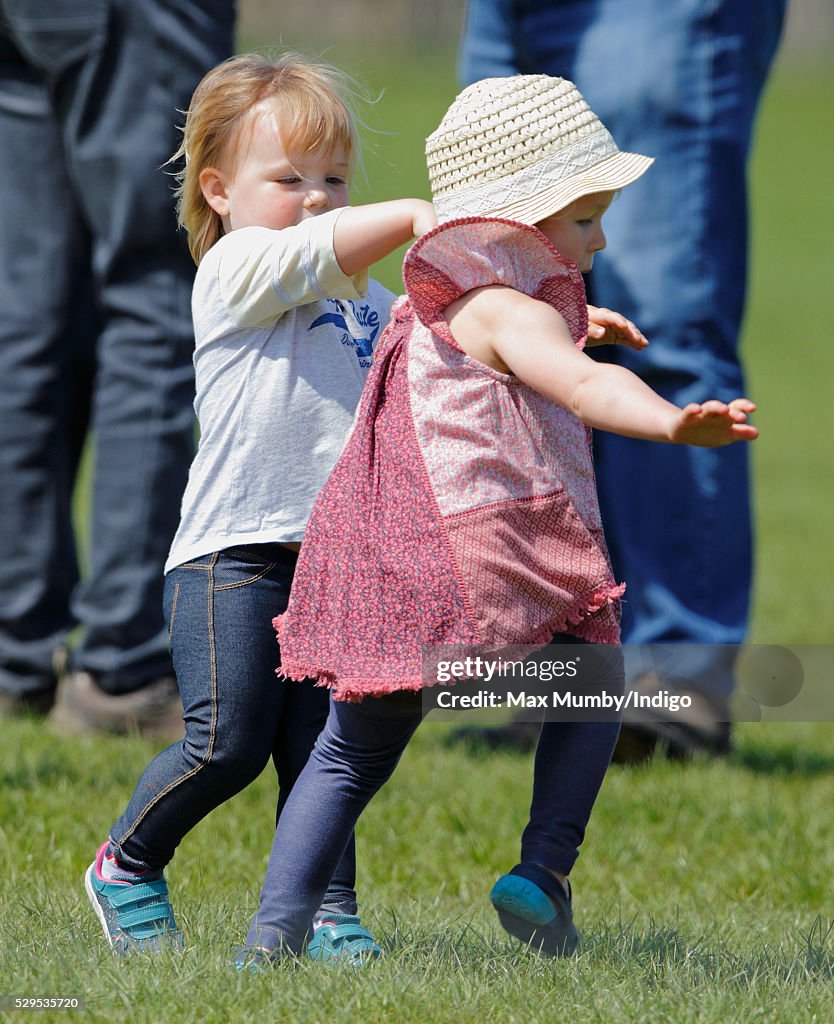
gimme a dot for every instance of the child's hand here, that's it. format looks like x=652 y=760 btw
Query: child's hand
x=713 y=423
x=424 y=218
x=605 y=327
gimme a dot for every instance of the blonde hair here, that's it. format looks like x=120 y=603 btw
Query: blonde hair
x=313 y=113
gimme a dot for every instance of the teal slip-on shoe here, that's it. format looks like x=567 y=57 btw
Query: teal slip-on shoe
x=533 y=907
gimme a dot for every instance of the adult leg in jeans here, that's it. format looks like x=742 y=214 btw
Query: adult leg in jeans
x=101 y=81
x=142 y=414
x=47 y=332
x=237 y=711
x=675 y=263
x=354 y=756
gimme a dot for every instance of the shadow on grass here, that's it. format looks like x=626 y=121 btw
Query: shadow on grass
x=518 y=739
x=653 y=950
x=783 y=760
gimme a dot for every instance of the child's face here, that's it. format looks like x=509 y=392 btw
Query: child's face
x=577 y=231
x=270 y=188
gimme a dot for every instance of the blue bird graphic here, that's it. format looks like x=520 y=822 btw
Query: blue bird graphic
x=365 y=317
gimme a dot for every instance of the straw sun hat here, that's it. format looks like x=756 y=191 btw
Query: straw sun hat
x=523 y=148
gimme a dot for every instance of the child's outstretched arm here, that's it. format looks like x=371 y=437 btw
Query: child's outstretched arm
x=516 y=334
x=364 y=234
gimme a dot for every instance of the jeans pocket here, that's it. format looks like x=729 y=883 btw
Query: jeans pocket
x=56 y=35
x=240 y=567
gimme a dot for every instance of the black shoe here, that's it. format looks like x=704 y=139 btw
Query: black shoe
x=702 y=728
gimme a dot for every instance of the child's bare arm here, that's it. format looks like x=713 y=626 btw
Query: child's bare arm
x=513 y=333
x=364 y=234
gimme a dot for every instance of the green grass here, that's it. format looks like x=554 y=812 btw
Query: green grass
x=704 y=892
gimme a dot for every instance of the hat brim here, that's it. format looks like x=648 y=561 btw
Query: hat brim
x=613 y=173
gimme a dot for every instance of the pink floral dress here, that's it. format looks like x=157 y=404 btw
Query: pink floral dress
x=463 y=509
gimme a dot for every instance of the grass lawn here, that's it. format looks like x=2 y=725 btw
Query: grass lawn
x=704 y=893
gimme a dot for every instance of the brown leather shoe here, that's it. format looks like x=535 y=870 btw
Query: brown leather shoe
x=154 y=711
x=702 y=728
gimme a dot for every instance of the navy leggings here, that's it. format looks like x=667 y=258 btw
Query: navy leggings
x=354 y=757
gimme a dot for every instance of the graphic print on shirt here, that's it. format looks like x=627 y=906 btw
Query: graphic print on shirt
x=359 y=326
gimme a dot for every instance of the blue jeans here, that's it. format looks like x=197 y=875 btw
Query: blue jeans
x=679 y=80
x=95 y=286
x=354 y=757
x=237 y=711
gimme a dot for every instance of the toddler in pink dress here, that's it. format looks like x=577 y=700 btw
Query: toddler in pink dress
x=463 y=509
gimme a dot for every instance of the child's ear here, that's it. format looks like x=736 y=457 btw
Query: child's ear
x=213 y=186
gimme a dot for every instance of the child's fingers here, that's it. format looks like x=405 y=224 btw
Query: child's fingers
x=630 y=334
x=714 y=408
x=607 y=318
x=603 y=313
x=742 y=405
x=613 y=321
x=714 y=423
x=736 y=405
x=606 y=324
x=636 y=339
x=744 y=432
x=737 y=410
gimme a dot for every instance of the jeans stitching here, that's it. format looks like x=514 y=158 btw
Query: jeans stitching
x=173 y=611
x=212 y=657
x=252 y=579
x=213 y=728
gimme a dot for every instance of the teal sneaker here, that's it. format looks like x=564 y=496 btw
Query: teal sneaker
x=341 y=938
x=534 y=908
x=136 y=917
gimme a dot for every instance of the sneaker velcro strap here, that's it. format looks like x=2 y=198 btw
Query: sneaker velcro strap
x=140 y=891
x=349 y=941
x=144 y=915
x=351 y=932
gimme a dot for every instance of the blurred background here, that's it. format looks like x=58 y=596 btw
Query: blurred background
x=405 y=54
